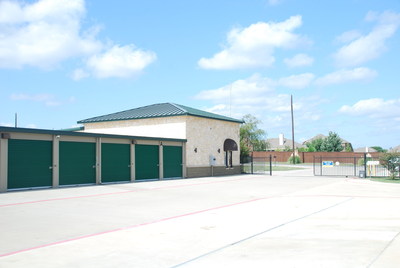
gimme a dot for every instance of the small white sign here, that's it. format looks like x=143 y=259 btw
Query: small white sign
x=373 y=163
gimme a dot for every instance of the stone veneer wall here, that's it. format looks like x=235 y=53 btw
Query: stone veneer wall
x=208 y=135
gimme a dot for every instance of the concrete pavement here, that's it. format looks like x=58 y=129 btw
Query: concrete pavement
x=286 y=220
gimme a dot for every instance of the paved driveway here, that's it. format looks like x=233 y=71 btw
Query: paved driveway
x=288 y=220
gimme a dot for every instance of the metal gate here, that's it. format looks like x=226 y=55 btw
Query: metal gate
x=339 y=166
x=146 y=162
x=115 y=162
x=172 y=156
x=29 y=164
x=77 y=163
x=256 y=165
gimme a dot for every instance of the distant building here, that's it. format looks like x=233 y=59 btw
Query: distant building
x=281 y=143
x=395 y=149
x=365 y=150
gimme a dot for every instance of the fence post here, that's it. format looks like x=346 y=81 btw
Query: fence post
x=355 y=166
x=251 y=162
x=270 y=165
x=320 y=164
x=365 y=165
x=313 y=162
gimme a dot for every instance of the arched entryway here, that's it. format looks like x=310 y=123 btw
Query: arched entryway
x=229 y=147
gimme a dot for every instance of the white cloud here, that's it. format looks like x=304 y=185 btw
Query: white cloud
x=345 y=75
x=379 y=115
x=297 y=81
x=254 y=46
x=256 y=95
x=374 y=108
x=239 y=90
x=42 y=34
x=372 y=45
x=348 y=36
x=47 y=99
x=45 y=33
x=299 y=60
x=79 y=74
x=124 y=62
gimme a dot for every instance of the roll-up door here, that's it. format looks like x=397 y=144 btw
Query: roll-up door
x=29 y=163
x=115 y=162
x=77 y=163
x=172 y=156
x=146 y=162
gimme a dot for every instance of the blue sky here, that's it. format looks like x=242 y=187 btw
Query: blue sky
x=66 y=60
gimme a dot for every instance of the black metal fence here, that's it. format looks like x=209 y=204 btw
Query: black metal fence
x=256 y=165
x=351 y=166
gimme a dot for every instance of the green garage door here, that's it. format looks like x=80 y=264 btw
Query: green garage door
x=172 y=156
x=29 y=163
x=77 y=163
x=147 y=162
x=115 y=162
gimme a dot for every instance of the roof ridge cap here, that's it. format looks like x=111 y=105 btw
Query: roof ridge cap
x=179 y=107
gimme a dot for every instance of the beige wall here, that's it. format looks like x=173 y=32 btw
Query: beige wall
x=208 y=135
x=166 y=127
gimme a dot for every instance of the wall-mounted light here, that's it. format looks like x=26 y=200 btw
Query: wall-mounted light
x=133 y=141
x=161 y=143
x=195 y=150
x=5 y=135
x=58 y=136
x=219 y=150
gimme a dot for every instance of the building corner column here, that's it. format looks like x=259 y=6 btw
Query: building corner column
x=133 y=169
x=98 y=160
x=161 y=160
x=56 y=161
x=3 y=164
x=184 y=169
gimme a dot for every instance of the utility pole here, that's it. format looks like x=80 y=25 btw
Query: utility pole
x=291 y=107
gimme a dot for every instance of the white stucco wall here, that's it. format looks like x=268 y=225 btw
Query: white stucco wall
x=208 y=135
x=165 y=127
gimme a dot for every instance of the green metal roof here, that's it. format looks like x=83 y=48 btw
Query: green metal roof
x=157 y=110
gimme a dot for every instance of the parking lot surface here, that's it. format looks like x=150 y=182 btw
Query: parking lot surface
x=290 y=219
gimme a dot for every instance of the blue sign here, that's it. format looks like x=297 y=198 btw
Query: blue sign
x=327 y=163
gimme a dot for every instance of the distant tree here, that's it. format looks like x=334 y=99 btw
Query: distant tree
x=379 y=149
x=302 y=149
x=251 y=137
x=315 y=145
x=296 y=160
x=332 y=143
x=392 y=162
x=287 y=149
x=348 y=148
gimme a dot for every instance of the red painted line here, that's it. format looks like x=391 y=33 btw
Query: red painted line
x=130 y=227
x=66 y=198
x=353 y=196
x=115 y=193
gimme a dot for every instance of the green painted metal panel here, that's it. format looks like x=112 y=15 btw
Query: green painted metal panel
x=29 y=163
x=115 y=162
x=77 y=163
x=147 y=162
x=172 y=156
